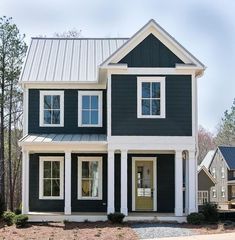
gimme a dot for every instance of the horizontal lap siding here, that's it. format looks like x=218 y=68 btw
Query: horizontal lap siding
x=178 y=121
x=88 y=205
x=70 y=115
x=35 y=204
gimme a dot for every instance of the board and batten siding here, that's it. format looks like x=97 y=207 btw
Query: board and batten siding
x=178 y=120
x=84 y=205
x=70 y=114
x=151 y=53
x=36 y=204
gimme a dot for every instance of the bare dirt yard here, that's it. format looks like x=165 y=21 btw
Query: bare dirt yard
x=98 y=230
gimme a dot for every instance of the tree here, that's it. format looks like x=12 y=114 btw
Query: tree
x=73 y=33
x=12 y=52
x=205 y=142
x=226 y=129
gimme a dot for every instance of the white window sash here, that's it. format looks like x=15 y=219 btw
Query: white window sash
x=162 y=98
x=41 y=171
x=202 y=197
x=41 y=109
x=100 y=107
x=100 y=170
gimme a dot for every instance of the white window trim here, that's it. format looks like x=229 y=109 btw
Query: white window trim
x=41 y=186
x=100 y=106
x=41 y=114
x=201 y=197
x=100 y=171
x=222 y=172
x=214 y=195
x=223 y=192
x=161 y=80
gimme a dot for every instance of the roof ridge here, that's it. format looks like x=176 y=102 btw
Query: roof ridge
x=76 y=38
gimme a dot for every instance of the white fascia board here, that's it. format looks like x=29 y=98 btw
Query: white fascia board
x=159 y=33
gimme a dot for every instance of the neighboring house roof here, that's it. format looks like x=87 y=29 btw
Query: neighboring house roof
x=206 y=162
x=228 y=154
x=164 y=37
x=63 y=138
x=67 y=59
x=203 y=168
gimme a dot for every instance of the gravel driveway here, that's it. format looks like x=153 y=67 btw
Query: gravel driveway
x=160 y=230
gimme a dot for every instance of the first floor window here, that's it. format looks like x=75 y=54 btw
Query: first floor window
x=151 y=97
x=213 y=192
x=51 y=178
x=89 y=177
x=202 y=197
x=223 y=192
x=51 y=108
x=90 y=108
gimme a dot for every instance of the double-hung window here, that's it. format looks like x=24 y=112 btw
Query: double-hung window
x=89 y=177
x=213 y=192
x=202 y=197
x=151 y=97
x=90 y=108
x=222 y=172
x=51 y=108
x=51 y=172
x=223 y=192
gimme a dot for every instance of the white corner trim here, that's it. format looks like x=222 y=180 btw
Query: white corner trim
x=100 y=107
x=41 y=108
x=100 y=173
x=25 y=182
x=161 y=80
x=67 y=183
x=43 y=159
x=142 y=159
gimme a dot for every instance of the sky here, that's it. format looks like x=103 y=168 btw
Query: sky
x=206 y=28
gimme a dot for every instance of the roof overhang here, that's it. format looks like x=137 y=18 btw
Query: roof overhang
x=207 y=173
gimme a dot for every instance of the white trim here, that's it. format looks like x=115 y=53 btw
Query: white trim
x=214 y=193
x=161 y=35
x=124 y=206
x=25 y=182
x=202 y=197
x=142 y=159
x=43 y=159
x=41 y=109
x=100 y=181
x=111 y=182
x=67 y=183
x=178 y=183
x=161 y=80
x=100 y=107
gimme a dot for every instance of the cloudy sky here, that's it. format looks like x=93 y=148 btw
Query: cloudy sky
x=205 y=27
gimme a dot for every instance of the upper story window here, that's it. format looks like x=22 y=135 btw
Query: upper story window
x=51 y=108
x=213 y=173
x=222 y=172
x=90 y=108
x=151 y=97
x=213 y=193
x=51 y=177
x=222 y=192
x=89 y=177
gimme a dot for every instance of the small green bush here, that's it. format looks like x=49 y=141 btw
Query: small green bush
x=8 y=217
x=116 y=217
x=210 y=212
x=17 y=211
x=21 y=220
x=195 y=218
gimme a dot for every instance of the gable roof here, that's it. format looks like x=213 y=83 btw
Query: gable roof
x=228 y=154
x=163 y=36
x=206 y=162
x=67 y=59
x=207 y=173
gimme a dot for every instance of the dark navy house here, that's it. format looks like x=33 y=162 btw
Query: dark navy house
x=110 y=125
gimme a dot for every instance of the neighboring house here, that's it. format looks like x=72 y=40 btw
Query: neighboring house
x=107 y=122
x=205 y=182
x=222 y=168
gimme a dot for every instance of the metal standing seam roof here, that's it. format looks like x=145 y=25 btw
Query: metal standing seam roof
x=207 y=159
x=67 y=59
x=228 y=154
x=60 y=138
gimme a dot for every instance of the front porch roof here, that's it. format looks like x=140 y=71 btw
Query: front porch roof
x=63 y=138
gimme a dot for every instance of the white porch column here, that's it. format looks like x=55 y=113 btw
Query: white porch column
x=110 y=208
x=192 y=191
x=25 y=182
x=67 y=183
x=124 y=208
x=186 y=184
x=178 y=183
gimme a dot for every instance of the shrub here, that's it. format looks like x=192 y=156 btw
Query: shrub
x=8 y=217
x=21 y=220
x=116 y=217
x=210 y=212
x=195 y=218
x=17 y=211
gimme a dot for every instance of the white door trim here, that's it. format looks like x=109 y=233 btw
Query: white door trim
x=154 y=160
